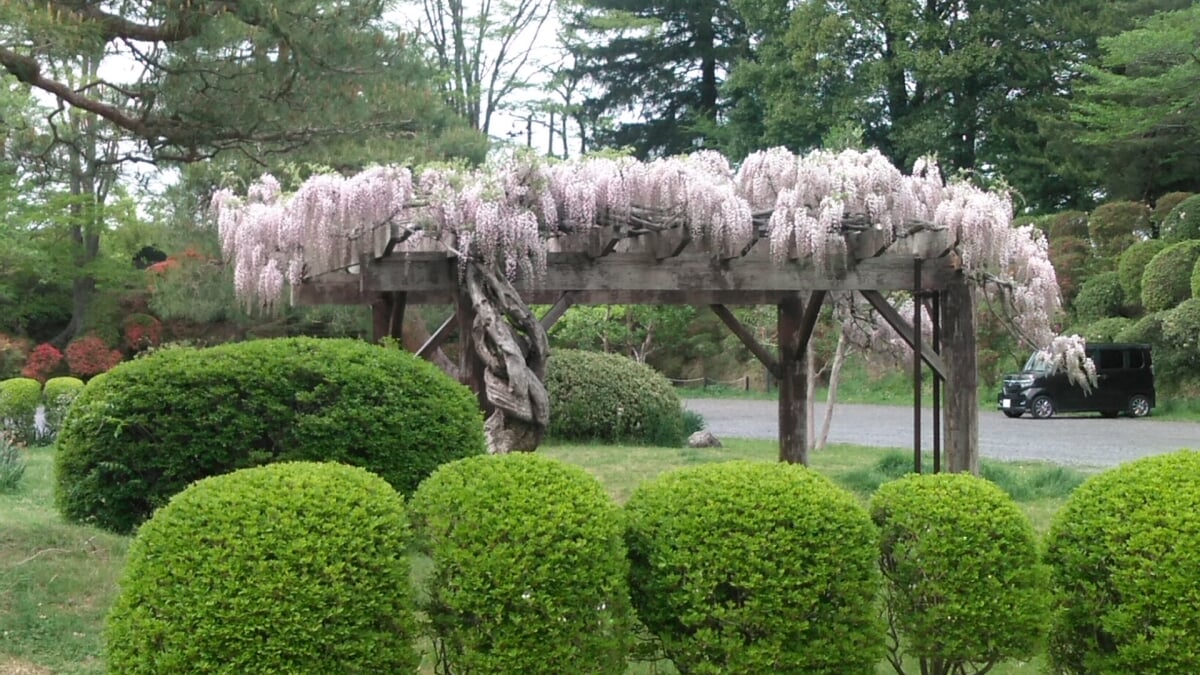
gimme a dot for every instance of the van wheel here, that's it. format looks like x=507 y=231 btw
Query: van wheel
x=1042 y=408
x=1014 y=414
x=1139 y=405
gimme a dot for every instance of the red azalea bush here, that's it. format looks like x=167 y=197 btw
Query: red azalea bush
x=89 y=355
x=41 y=362
x=141 y=331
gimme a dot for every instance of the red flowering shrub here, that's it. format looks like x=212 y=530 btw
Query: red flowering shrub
x=41 y=362
x=12 y=355
x=90 y=356
x=141 y=331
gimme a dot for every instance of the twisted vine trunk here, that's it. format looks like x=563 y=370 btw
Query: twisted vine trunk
x=513 y=346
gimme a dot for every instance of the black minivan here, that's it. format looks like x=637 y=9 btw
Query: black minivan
x=1124 y=384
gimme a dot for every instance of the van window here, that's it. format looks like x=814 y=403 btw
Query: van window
x=1111 y=359
x=1136 y=359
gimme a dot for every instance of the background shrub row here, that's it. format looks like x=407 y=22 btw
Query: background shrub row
x=20 y=398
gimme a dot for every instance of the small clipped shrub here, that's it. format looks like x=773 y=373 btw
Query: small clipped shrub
x=1168 y=277
x=692 y=422
x=141 y=331
x=611 y=398
x=12 y=463
x=1125 y=559
x=1100 y=297
x=41 y=362
x=57 y=395
x=748 y=567
x=19 y=399
x=1183 y=223
x=1069 y=224
x=963 y=585
x=529 y=569
x=1181 y=328
x=153 y=425
x=1115 y=225
x=90 y=355
x=1132 y=266
x=1163 y=206
x=1104 y=330
x=296 y=567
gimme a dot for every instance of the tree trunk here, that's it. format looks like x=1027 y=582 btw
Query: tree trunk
x=835 y=374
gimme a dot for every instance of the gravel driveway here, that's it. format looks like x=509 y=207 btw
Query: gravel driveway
x=1086 y=440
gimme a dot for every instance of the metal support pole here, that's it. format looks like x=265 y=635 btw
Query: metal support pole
x=917 y=365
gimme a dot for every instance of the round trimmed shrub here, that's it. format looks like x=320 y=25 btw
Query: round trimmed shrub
x=19 y=399
x=1183 y=223
x=1125 y=559
x=1132 y=266
x=1146 y=330
x=611 y=398
x=296 y=567
x=1100 y=297
x=962 y=579
x=1104 y=330
x=1115 y=225
x=1164 y=205
x=1181 y=328
x=1196 y=280
x=752 y=567
x=1073 y=224
x=1167 y=280
x=57 y=395
x=529 y=569
x=153 y=425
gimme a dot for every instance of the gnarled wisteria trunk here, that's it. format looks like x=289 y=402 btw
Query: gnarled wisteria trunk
x=513 y=346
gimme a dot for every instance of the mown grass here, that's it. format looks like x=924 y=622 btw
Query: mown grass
x=59 y=579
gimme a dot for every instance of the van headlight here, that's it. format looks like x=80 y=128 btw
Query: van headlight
x=1024 y=381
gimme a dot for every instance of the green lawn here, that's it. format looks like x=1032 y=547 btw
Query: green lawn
x=59 y=579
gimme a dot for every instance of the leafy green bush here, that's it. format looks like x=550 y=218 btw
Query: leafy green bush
x=57 y=395
x=155 y=424
x=1181 y=328
x=1115 y=225
x=962 y=581
x=296 y=567
x=1133 y=265
x=692 y=422
x=755 y=568
x=1167 y=279
x=1164 y=205
x=19 y=399
x=1125 y=558
x=1183 y=223
x=1072 y=224
x=12 y=464
x=1100 y=297
x=1104 y=330
x=611 y=398
x=1196 y=280
x=529 y=570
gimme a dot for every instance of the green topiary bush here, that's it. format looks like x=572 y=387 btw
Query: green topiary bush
x=529 y=569
x=1073 y=224
x=153 y=425
x=57 y=395
x=963 y=585
x=1125 y=558
x=755 y=568
x=1104 y=330
x=1181 y=329
x=19 y=399
x=1196 y=280
x=296 y=567
x=1163 y=206
x=1133 y=265
x=1183 y=223
x=1115 y=225
x=1100 y=297
x=610 y=398
x=1167 y=279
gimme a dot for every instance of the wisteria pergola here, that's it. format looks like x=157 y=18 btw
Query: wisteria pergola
x=782 y=230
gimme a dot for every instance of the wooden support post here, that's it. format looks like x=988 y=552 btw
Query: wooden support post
x=962 y=378
x=470 y=366
x=793 y=385
x=387 y=315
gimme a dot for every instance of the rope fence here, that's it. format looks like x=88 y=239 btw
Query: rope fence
x=742 y=383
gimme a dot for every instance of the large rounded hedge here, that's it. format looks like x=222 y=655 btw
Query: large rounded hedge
x=748 y=567
x=1103 y=330
x=962 y=580
x=1132 y=266
x=1100 y=297
x=154 y=425
x=611 y=398
x=529 y=567
x=1181 y=329
x=1168 y=276
x=1113 y=226
x=19 y=399
x=1183 y=222
x=1125 y=558
x=296 y=567
x=1164 y=205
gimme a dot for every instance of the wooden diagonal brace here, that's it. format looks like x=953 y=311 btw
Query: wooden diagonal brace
x=904 y=330
x=763 y=354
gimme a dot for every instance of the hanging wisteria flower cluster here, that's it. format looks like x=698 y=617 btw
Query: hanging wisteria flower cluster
x=505 y=211
x=1067 y=353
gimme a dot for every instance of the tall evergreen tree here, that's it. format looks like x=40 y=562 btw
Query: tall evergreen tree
x=658 y=68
